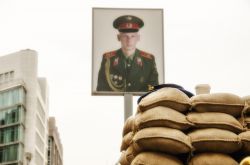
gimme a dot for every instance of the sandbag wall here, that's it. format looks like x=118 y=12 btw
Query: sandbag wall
x=158 y=129
x=246 y=121
x=171 y=128
x=245 y=136
x=216 y=128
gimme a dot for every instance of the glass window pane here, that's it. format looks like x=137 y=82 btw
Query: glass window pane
x=11 y=134
x=12 y=97
x=9 y=153
x=12 y=115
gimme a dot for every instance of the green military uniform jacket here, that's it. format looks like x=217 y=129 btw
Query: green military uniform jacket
x=120 y=74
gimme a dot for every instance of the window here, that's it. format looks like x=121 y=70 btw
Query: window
x=11 y=134
x=9 y=153
x=50 y=141
x=7 y=76
x=11 y=75
x=12 y=97
x=12 y=115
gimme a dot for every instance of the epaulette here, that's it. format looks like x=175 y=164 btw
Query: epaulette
x=109 y=54
x=146 y=55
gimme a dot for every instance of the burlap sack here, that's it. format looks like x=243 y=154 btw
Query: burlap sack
x=247 y=100
x=123 y=159
x=215 y=120
x=214 y=140
x=127 y=140
x=131 y=153
x=153 y=158
x=245 y=139
x=169 y=97
x=212 y=159
x=161 y=117
x=128 y=125
x=162 y=139
x=218 y=102
x=247 y=121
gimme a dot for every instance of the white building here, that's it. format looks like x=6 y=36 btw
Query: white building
x=23 y=110
x=55 y=149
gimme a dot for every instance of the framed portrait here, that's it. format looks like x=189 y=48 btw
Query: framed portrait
x=127 y=50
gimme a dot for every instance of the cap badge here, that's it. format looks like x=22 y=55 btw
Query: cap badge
x=129 y=18
x=129 y=25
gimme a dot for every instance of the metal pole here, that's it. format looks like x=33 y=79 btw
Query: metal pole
x=128 y=105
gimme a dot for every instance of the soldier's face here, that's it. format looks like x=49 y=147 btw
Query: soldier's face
x=128 y=40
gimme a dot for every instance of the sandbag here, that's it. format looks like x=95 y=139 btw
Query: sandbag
x=126 y=141
x=169 y=97
x=215 y=120
x=131 y=153
x=212 y=159
x=214 y=140
x=161 y=117
x=123 y=159
x=128 y=125
x=247 y=121
x=218 y=102
x=245 y=139
x=153 y=158
x=163 y=140
x=247 y=100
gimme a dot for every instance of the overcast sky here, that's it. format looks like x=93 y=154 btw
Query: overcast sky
x=206 y=41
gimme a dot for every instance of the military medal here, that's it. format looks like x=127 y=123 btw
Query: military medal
x=139 y=61
x=116 y=61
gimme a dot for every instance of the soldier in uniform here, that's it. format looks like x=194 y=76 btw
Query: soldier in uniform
x=127 y=69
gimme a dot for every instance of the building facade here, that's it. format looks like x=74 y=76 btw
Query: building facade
x=23 y=111
x=55 y=150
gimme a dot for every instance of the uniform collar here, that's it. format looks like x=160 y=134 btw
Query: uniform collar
x=136 y=53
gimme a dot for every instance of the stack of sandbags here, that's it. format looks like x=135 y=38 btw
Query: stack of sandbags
x=246 y=119
x=126 y=149
x=216 y=127
x=163 y=129
x=245 y=136
x=159 y=125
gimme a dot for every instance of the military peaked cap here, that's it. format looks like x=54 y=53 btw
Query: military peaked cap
x=128 y=23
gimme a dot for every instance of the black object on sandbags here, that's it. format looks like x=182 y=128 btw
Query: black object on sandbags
x=157 y=87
